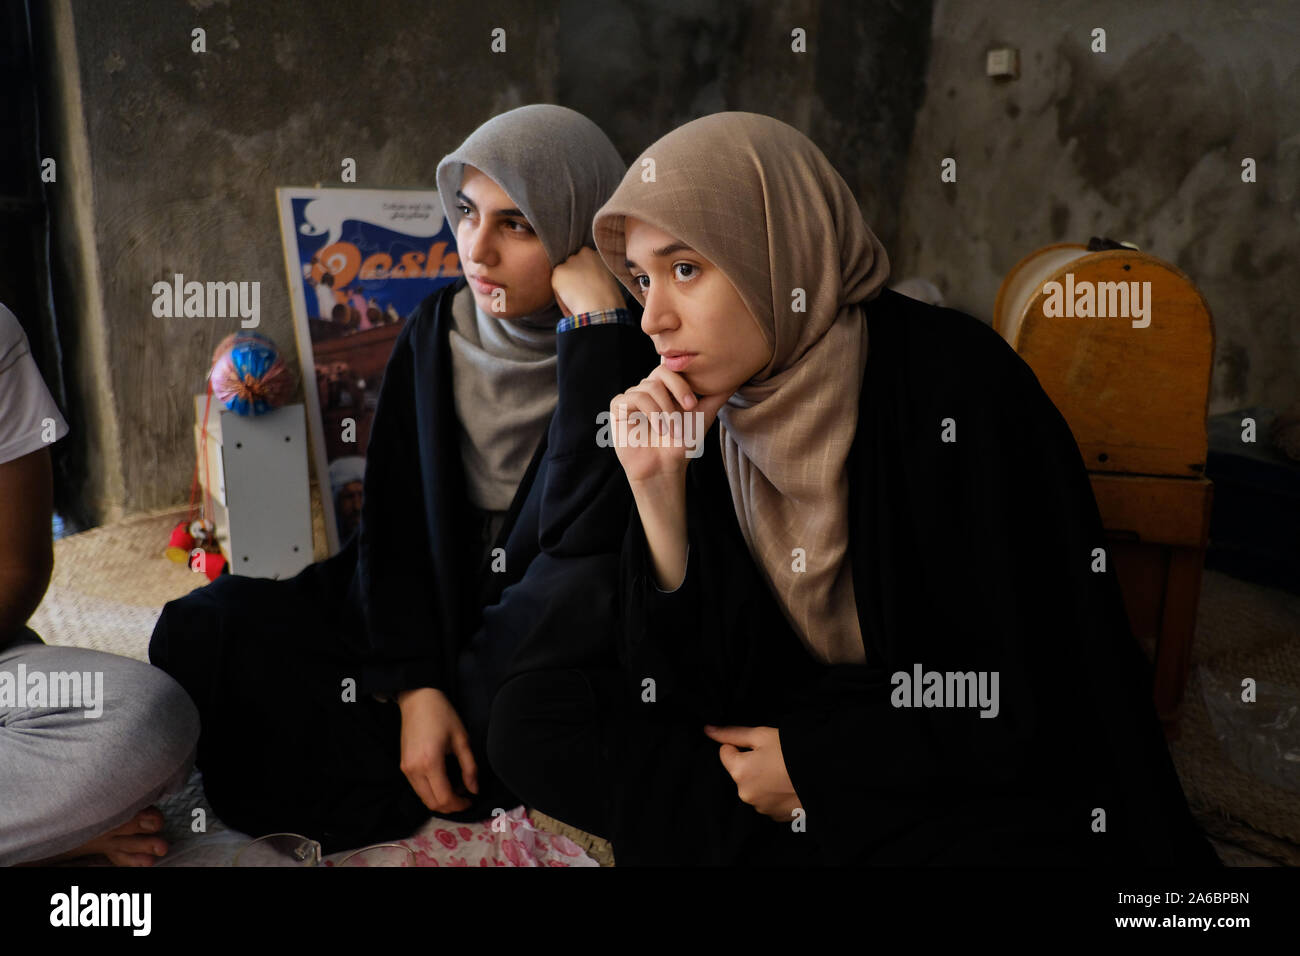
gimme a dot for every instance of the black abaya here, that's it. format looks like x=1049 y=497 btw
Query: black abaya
x=411 y=601
x=968 y=555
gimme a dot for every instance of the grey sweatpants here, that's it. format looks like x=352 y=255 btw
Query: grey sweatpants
x=67 y=776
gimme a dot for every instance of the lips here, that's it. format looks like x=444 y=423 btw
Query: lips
x=675 y=360
x=485 y=285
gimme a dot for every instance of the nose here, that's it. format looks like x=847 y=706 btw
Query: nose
x=478 y=243
x=658 y=315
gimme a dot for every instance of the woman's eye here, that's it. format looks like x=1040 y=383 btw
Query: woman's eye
x=639 y=286
x=464 y=209
x=684 y=265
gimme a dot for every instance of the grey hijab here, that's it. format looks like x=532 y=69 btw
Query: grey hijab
x=558 y=167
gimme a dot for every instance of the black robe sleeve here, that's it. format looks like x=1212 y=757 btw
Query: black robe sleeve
x=395 y=574
x=564 y=612
x=718 y=648
x=586 y=499
x=658 y=641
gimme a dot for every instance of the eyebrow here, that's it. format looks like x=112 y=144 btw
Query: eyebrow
x=667 y=250
x=500 y=212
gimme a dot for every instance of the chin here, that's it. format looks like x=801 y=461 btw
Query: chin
x=509 y=315
x=485 y=303
x=701 y=385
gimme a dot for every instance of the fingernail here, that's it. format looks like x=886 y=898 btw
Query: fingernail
x=150 y=824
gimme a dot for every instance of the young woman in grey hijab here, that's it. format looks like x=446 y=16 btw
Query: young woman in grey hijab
x=483 y=543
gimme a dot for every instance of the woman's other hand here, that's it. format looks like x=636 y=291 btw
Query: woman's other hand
x=761 y=778
x=431 y=729
x=582 y=284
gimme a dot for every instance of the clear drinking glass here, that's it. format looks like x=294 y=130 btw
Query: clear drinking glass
x=279 y=849
x=381 y=854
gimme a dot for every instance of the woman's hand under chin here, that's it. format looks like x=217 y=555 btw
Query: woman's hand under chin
x=665 y=399
x=582 y=284
x=655 y=465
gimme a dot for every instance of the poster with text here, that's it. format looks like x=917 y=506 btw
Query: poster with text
x=360 y=262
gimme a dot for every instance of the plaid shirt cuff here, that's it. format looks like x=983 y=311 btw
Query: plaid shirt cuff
x=605 y=317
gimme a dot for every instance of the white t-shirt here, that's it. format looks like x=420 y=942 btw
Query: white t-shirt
x=25 y=402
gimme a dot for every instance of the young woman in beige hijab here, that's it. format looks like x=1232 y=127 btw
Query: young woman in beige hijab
x=864 y=624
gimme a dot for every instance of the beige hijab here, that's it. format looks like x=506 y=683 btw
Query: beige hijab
x=760 y=201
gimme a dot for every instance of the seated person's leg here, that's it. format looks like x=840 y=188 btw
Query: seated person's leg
x=547 y=742
x=73 y=772
x=196 y=633
x=283 y=748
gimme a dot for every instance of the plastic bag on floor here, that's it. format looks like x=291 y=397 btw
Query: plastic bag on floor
x=1262 y=738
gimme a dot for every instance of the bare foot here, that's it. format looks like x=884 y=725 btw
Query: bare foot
x=127 y=845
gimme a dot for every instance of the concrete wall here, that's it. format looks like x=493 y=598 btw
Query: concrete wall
x=1143 y=143
x=169 y=159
